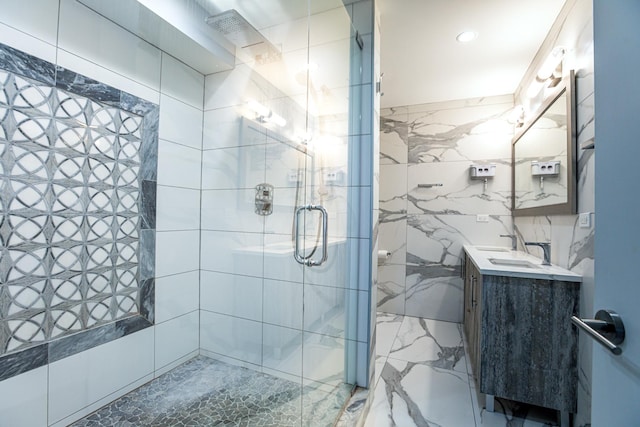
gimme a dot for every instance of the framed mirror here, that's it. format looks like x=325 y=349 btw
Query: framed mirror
x=544 y=157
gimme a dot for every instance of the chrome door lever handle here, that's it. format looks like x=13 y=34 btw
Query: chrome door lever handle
x=607 y=329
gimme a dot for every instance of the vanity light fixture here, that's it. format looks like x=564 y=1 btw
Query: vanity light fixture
x=549 y=74
x=467 y=36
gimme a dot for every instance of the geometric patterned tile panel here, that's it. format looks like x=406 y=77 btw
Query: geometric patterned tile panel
x=78 y=178
x=70 y=212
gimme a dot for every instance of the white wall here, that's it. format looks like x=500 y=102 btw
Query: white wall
x=88 y=44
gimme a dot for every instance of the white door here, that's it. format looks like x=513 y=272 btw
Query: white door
x=616 y=379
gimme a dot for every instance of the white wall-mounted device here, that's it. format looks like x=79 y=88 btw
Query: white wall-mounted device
x=478 y=171
x=545 y=168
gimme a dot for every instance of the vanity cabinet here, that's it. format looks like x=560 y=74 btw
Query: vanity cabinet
x=521 y=342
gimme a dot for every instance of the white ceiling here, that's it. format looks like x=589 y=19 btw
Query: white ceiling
x=422 y=62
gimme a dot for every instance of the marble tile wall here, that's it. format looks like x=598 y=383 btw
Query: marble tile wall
x=572 y=246
x=424 y=228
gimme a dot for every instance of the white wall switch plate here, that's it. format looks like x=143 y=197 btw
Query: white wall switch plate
x=482 y=218
x=584 y=220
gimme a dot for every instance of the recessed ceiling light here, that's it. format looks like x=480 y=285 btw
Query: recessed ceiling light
x=467 y=36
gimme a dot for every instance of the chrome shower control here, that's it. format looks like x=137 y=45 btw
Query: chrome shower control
x=264 y=199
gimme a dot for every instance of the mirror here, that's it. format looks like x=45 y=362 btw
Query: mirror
x=543 y=157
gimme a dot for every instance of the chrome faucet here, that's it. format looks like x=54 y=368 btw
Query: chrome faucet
x=514 y=240
x=546 y=249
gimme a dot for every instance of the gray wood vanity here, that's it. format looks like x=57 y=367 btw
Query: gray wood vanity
x=517 y=319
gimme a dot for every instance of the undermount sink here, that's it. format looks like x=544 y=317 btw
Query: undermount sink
x=492 y=249
x=512 y=262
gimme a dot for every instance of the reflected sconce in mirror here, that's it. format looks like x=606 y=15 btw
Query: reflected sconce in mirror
x=549 y=74
x=544 y=157
x=264 y=114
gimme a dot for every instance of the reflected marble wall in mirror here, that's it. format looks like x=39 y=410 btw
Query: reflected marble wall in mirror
x=544 y=157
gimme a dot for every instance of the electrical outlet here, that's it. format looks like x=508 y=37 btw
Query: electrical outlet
x=482 y=218
x=584 y=220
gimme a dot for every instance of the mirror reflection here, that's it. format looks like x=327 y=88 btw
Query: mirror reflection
x=543 y=159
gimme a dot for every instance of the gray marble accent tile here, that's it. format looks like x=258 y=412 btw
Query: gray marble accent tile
x=149 y=147
x=147 y=266
x=73 y=344
x=87 y=87
x=148 y=205
x=26 y=65
x=147 y=299
x=131 y=325
x=391 y=288
x=136 y=105
x=17 y=363
x=434 y=292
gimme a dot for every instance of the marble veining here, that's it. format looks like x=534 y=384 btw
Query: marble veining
x=207 y=392
x=425 y=380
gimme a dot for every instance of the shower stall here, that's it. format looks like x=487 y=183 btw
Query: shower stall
x=219 y=170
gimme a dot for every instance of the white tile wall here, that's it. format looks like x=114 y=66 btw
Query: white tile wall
x=87 y=34
x=233 y=168
x=177 y=295
x=232 y=337
x=231 y=294
x=178 y=165
x=177 y=252
x=282 y=349
x=176 y=338
x=100 y=73
x=231 y=210
x=177 y=209
x=283 y=303
x=104 y=371
x=231 y=252
x=42 y=25
x=182 y=82
x=24 y=399
x=222 y=129
x=26 y=43
x=180 y=122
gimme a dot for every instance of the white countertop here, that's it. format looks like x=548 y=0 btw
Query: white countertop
x=504 y=258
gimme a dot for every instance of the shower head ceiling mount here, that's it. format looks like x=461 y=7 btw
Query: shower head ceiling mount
x=244 y=36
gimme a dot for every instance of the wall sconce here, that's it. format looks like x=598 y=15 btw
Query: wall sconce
x=264 y=114
x=549 y=74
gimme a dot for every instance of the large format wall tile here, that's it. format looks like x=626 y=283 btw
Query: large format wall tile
x=232 y=294
x=177 y=295
x=232 y=337
x=104 y=371
x=181 y=81
x=176 y=338
x=24 y=399
x=180 y=123
x=91 y=36
x=178 y=165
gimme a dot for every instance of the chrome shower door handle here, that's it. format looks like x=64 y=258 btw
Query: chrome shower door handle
x=306 y=260
x=296 y=227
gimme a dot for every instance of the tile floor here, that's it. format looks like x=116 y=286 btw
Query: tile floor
x=207 y=392
x=423 y=379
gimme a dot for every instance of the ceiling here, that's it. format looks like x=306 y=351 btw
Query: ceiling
x=418 y=45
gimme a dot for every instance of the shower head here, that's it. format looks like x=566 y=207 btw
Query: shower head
x=241 y=33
